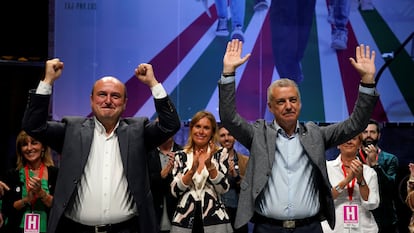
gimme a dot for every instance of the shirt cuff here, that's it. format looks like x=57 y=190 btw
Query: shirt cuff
x=226 y=80
x=158 y=91
x=367 y=90
x=44 y=88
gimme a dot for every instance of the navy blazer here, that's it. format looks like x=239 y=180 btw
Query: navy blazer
x=72 y=138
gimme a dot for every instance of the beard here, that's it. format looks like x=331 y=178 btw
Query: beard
x=370 y=141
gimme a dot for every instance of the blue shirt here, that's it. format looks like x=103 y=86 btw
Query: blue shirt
x=291 y=191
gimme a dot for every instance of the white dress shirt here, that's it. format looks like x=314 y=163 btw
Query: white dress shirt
x=103 y=196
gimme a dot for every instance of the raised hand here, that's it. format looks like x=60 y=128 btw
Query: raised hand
x=145 y=73
x=232 y=58
x=53 y=71
x=364 y=63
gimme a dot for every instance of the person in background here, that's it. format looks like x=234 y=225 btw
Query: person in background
x=354 y=189
x=290 y=25
x=410 y=196
x=386 y=166
x=200 y=177
x=160 y=165
x=260 y=5
x=32 y=184
x=339 y=16
x=237 y=9
x=237 y=169
x=103 y=183
x=286 y=186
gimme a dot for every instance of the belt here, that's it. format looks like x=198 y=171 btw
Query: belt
x=288 y=224
x=131 y=224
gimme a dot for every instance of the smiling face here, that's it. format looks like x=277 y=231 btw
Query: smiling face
x=202 y=132
x=226 y=139
x=29 y=150
x=108 y=100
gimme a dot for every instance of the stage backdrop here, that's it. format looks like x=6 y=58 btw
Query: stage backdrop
x=99 y=38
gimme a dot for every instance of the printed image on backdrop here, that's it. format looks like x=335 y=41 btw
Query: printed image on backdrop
x=185 y=42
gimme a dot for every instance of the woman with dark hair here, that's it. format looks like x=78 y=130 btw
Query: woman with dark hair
x=31 y=184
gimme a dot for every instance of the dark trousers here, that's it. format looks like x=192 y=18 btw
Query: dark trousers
x=388 y=229
x=69 y=226
x=314 y=227
x=232 y=214
x=291 y=22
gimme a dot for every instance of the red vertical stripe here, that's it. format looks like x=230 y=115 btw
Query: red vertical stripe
x=252 y=91
x=168 y=59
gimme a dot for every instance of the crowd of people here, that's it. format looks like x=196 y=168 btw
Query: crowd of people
x=127 y=174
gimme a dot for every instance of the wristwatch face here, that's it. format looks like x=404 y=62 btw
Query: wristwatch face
x=362 y=183
x=338 y=189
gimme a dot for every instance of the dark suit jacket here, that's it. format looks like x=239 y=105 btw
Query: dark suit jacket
x=161 y=187
x=260 y=137
x=72 y=138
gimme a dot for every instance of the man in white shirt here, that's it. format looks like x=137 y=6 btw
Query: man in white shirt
x=103 y=183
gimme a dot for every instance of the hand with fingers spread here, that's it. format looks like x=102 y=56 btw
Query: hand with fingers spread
x=364 y=63
x=284 y=103
x=232 y=58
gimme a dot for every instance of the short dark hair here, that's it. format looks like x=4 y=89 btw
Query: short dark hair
x=374 y=122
